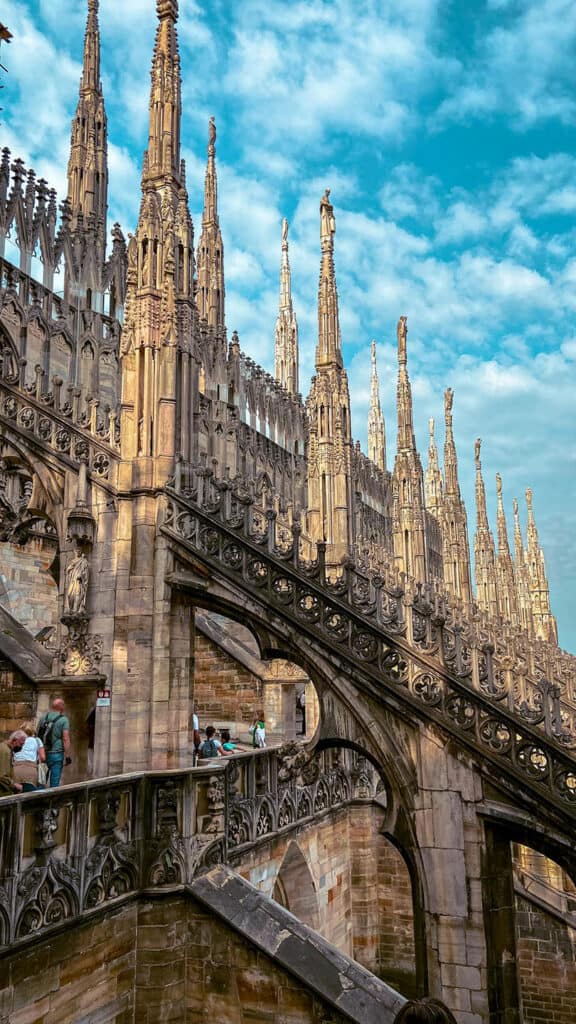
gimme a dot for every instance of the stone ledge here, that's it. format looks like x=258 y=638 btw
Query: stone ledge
x=343 y=983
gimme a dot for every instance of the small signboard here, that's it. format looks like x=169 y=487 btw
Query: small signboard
x=103 y=699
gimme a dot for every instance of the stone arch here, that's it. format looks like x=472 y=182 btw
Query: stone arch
x=529 y=891
x=294 y=886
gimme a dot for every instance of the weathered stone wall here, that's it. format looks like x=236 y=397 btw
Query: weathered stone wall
x=358 y=892
x=156 y=962
x=396 y=947
x=85 y=974
x=546 y=952
x=325 y=849
x=18 y=698
x=27 y=589
x=224 y=690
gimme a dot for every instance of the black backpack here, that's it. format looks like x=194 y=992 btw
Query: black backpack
x=45 y=729
x=208 y=749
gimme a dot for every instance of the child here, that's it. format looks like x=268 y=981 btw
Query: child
x=227 y=745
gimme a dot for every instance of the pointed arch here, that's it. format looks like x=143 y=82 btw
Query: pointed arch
x=294 y=887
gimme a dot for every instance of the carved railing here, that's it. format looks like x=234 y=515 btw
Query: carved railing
x=56 y=422
x=407 y=646
x=70 y=852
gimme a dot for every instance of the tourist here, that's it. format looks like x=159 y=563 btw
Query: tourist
x=302 y=705
x=30 y=762
x=91 y=734
x=425 y=1011
x=227 y=745
x=258 y=731
x=54 y=731
x=8 y=748
x=211 y=747
x=196 y=737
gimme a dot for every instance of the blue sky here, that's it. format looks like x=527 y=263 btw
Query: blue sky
x=447 y=133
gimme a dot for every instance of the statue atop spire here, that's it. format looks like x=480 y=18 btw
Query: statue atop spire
x=484 y=550
x=376 y=431
x=327 y=222
x=450 y=459
x=409 y=511
x=329 y=348
x=434 y=486
x=210 y=257
x=544 y=622
x=286 y=341
x=402 y=338
x=406 y=438
x=507 y=596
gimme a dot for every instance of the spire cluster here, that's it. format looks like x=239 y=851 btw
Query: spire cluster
x=174 y=348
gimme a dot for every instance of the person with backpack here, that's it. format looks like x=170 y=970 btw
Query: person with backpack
x=211 y=747
x=54 y=732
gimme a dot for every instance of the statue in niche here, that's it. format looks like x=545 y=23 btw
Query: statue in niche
x=77 y=584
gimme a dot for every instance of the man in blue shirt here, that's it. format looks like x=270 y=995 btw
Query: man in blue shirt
x=54 y=731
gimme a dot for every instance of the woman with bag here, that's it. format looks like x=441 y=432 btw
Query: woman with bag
x=29 y=763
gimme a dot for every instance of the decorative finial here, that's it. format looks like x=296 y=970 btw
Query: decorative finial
x=93 y=6
x=477 y=444
x=499 y=485
x=284 y=233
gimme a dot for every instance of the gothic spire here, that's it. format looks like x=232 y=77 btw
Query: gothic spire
x=159 y=376
x=91 y=69
x=501 y=527
x=450 y=458
x=376 y=430
x=521 y=575
x=162 y=158
x=518 y=541
x=88 y=162
x=406 y=438
x=210 y=255
x=544 y=621
x=481 y=513
x=409 y=512
x=484 y=551
x=329 y=349
x=286 y=343
x=507 y=597
x=434 y=487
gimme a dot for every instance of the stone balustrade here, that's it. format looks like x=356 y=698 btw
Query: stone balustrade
x=67 y=853
x=402 y=638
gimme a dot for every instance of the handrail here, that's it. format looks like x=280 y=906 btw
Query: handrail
x=440 y=676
